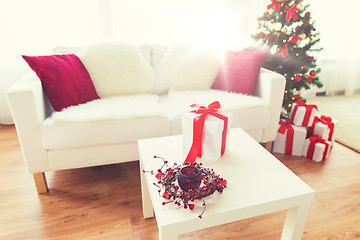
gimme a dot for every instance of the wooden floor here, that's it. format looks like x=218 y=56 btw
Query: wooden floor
x=105 y=202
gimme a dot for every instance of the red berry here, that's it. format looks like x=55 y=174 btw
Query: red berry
x=191 y=206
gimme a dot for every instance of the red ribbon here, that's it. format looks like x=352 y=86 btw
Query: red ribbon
x=286 y=124
x=275 y=3
x=198 y=127
x=308 y=110
x=291 y=12
x=283 y=51
x=313 y=140
x=326 y=121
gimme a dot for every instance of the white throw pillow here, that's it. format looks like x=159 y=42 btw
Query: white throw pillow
x=185 y=67
x=118 y=68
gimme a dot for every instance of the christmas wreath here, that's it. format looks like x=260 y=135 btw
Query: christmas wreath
x=170 y=190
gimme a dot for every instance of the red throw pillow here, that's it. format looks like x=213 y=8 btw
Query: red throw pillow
x=240 y=71
x=65 y=79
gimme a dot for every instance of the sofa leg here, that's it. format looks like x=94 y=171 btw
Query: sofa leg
x=40 y=182
x=268 y=145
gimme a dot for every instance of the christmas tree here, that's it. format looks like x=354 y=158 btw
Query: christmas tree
x=287 y=29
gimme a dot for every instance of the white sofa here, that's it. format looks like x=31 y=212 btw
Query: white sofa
x=106 y=133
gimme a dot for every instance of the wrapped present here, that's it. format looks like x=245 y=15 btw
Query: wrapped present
x=205 y=132
x=303 y=114
x=290 y=139
x=323 y=127
x=316 y=148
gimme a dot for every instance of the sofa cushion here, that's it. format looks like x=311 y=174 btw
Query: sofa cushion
x=118 y=68
x=112 y=108
x=107 y=121
x=187 y=67
x=248 y=112
x=240 y=71
x=62 y=135
x=65 y=79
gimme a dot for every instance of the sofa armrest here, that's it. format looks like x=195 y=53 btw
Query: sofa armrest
x=29 y=107
x=271 y=88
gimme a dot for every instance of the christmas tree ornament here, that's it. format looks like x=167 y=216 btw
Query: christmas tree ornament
x=297 y=78
x=309 y=78
x=283 y=51
x=291 y=12
x=302 y=36
x=294 y=39
x=300 y=7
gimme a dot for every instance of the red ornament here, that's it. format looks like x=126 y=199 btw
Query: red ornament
x=294 y=39
x=313 y=73
x=297 y=78
x=166 y=195
x=309 y=58
x=309 y=78
x=262 y=35
x=159 y=175
x=291 y=12
x=283 y=51
x=307 y=14
x=271 y=36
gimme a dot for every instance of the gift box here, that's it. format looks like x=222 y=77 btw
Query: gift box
x=289 y=139
x=205 y=133
x=316 y=148
x=302 y=114
x=323 y=127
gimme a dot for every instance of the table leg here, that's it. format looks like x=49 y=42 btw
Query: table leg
x=295 y=222
x=145 y=196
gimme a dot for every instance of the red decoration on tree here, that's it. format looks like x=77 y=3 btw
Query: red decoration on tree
x=291 y=12
x=313 y=73
x=309 y=78
x=297 y=78
x=271 y=36
x=309 y=58
x=283 y=51
x=262 y=35
x=275 y=4
x=294 y=39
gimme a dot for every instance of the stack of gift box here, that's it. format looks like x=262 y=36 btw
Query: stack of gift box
x=305 y=133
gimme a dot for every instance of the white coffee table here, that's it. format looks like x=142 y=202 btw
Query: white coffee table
x=258 y=184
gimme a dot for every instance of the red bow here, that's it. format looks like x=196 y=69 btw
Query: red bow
x=313 y=140
x=291 y=12
x=283 y=51
x=286 y=124
x=326 y=121
x=198 y=127
x=275 y=3
x=294 y=96
x=308 y=110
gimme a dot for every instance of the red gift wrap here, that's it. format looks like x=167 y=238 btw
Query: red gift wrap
x=286 y=124
x=312 y=145
x=198 y=126
x=306 y=121
x=326 y=121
